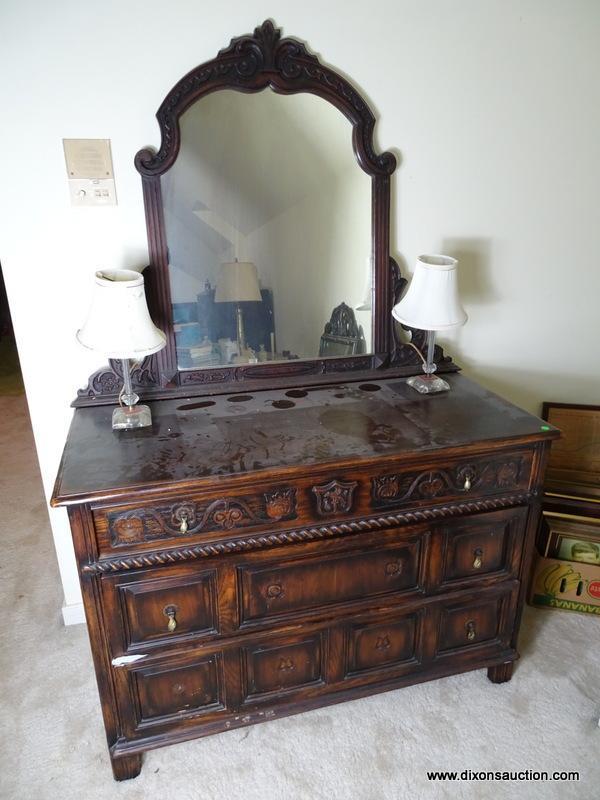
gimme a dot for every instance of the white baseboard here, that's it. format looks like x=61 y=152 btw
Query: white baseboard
x=74 y=614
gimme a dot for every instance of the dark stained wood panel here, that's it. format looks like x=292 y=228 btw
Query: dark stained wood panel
x=479 y=623
x=284 y=588
x=163 y=692
x=257 y=558
x=165 y=608
x=282 y=666
x=339 y=424
x=483 y=545
x=377 y=646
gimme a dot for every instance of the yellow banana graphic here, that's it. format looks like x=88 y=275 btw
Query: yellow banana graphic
x=553 y=576
x=547 y=574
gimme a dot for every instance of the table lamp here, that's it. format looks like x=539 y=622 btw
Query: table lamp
x=237 y=282
x=431 y=304
x=119 y=326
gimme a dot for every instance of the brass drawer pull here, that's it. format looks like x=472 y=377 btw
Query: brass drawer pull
x=383 y=643
x=184 y=524
x=470 y=628
x=170 y=611
x=467 y=485
x=477 y=558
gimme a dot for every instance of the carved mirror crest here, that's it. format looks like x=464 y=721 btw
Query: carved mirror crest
x=268 y=219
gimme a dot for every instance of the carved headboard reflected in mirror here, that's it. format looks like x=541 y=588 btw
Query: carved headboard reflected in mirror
x=267 y=208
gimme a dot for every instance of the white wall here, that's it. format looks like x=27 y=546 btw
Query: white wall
x=494 y=107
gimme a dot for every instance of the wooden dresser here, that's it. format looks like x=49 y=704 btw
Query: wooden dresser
x=257 y=555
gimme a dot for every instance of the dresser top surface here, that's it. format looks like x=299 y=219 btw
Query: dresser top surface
x=277 y=430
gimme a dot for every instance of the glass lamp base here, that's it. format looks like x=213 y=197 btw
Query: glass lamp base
x=129 y=417
x=428 y=384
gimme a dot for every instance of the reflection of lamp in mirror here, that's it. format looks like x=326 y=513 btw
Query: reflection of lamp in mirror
x=431 y=304
x=237 y=282
x=119 y=326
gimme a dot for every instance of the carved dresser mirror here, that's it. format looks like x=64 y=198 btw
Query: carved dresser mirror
x=303 y=528
x=267 y=207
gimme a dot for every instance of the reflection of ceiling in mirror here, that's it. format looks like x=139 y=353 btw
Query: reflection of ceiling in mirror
x=245 y=159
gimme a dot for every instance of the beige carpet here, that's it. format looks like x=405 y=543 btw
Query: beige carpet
x=53 y=742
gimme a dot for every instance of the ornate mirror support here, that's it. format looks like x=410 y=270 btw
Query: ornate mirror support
x=250 y=64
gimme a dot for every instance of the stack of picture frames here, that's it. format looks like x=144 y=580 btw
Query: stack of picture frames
x=566 y=572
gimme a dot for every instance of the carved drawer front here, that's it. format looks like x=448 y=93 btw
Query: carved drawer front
x=482 y=546
x=454 y=480
x=161 y=610
x=282 y=666
x=476 y=623
x=168 y=692
x=179 y=519
x=376 y=647
x=310 y=583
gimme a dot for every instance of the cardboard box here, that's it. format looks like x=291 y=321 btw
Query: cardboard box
x=568 y=585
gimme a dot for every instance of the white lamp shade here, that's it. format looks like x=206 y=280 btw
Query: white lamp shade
x=118 y=324
x=237 y=282
x=432 y=302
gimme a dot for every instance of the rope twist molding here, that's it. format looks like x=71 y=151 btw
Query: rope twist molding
x=263 y=541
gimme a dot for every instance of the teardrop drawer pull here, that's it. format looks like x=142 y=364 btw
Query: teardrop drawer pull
x=184 y=524
x=477 y=558
x=467 y=485
x=170 y=611
x=471 y=632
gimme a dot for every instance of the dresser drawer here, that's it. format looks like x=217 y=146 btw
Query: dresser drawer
x=207 y=518
x=280 y=588
x=384 y=647
x=482 y=546
x=453 y=479
x=156 y=608
x=195 y=517
x=167 y=692
x=474 y=623
x=283 y=666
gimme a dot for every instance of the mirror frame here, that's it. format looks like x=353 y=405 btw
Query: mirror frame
x=253 y=63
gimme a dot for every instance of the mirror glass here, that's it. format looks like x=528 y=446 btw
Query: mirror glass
x=268 y=224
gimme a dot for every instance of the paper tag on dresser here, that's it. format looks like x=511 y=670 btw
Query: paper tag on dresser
x=122 y=661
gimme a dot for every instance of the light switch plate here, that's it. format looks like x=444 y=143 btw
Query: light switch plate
x=86 y=192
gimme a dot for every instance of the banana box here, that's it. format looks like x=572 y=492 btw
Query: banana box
x=569 y=585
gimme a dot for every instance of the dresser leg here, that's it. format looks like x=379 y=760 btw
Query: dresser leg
x=501 y=672
x=126 y=767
